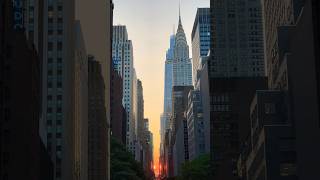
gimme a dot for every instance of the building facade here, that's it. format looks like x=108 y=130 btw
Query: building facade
x=182 y=67
x=200 y=38
x=80 y=104
x=122 y=57
x=99 y=43
x=229 y=121
x=270 y=144
x=195 y=125
x=140 y=119
x=237 y=39
x=178 y=126
x=168 y=83
x=97 y=126
x=116 y=107
x=22 y=153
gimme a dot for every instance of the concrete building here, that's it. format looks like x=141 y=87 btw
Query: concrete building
x=22 y=154
x=230 y=100
x=35 y=28
x=135 y=146
x=59 y=66
x=200 y=49
x=80 y=104
x=200 y=38
x=202 y=85
x=304 y=89
x=98 y=126
x=286 y=13
x=98 y=43
x=178 y=126
x=182 y=67
x=116 y=107
x=195 y=125
x=285 y=46
x=122 y=57
x=269 y=152
x=237 y=39
x=147 y=153
x=235 y=71
x=49 y=25
x=140 y=121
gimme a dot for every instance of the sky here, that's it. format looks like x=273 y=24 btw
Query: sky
x=150 y=24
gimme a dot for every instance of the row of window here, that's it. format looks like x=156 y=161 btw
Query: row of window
x=58 y=46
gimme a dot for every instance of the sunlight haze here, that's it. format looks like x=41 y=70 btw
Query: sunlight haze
x=150 y=24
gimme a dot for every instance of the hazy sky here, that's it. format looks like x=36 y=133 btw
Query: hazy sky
x=150 y=24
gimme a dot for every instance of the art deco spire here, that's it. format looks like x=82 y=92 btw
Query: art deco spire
x=180 y=13
x=180 y=23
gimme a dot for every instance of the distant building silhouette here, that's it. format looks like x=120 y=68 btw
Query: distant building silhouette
x=118 y=122
x=97 y=126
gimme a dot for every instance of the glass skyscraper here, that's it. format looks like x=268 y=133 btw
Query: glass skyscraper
x=167 y=106
x=200 y=38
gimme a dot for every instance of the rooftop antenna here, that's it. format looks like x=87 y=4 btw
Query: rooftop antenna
x=180 y=11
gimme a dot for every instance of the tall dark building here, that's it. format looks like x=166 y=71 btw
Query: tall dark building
x=235 y=70
x=292 y=46
x=269 y=152
x=179 y=127
x=304 y=89
x=97 y=127
x=22 y=152
x=237 y=39
x=116 y=107
x=229 y=121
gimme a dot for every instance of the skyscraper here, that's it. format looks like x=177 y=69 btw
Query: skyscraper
x=122 y=59
x=59 y=107
x=22 y=153
x=34 y=18
x=182 y=67
x=200 y=38
x=235 y=71
x=178 y=125
x=140 y=113
x=168 y=83
x=292 y=34
x=81 y=103
x=196 y=125
x=237 y=38
x=116 y=107
x=97 y=127
x=98 y=43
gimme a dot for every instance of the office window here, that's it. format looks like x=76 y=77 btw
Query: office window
x=59 y=84
x=60 y=31
x=50 y=46
x=59 y=46
x=269 y=108
x=49 y=85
